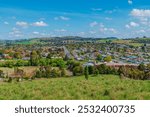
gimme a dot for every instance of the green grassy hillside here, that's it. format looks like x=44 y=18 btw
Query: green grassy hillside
x=101 y=87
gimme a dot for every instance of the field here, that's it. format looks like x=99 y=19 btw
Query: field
x=102 y=87
x=128 y=42
x=28 y=70
x=121 y=41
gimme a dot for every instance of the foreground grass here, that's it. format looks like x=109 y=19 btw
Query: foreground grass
x=102 y=87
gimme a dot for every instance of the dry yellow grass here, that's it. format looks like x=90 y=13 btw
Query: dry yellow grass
x=28 y=70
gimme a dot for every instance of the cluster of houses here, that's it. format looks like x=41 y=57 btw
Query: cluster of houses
x=125 y=56
x=120 y=53
x=56 y=52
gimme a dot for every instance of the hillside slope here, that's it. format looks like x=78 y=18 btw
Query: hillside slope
x=101 y=87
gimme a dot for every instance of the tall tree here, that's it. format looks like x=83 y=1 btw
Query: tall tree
x=34 y=58
x=142 y=67
x=86 y=72
x=17 y=55
x=99 y=57
x=108 y=59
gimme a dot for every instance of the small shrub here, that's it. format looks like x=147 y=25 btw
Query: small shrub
x=9 y=80
x=106 y=93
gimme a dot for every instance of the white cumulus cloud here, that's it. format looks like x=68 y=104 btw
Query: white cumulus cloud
x=105 y=29
x=62 y=18
x=93 y=24
x=141 y=31
x=130 y=2
x=61 y=30
x=132 y=24
x=6 y=23
x=22 y=24
x=127 y=26
x=15 y=33
x=36 y=33
x=40 y=24
x=96 y=9
x=92 y=32
x=81 y=33
x=140 y=13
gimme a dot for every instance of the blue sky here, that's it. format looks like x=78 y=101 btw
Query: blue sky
x=87 y=18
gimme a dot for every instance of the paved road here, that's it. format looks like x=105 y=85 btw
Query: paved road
x=67 y=53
